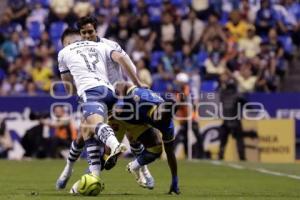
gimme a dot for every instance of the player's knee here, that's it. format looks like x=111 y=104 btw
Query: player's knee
x=136 y=148
x=155 y=151
x=147 y=157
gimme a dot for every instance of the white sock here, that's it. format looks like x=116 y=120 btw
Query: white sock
x=70 y=164
x=95 y=171
x=112 y=142
x=135 y=165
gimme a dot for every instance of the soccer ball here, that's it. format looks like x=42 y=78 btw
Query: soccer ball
x=90 y=185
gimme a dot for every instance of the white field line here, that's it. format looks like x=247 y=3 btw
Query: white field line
x=236 y=166
x=261 y=170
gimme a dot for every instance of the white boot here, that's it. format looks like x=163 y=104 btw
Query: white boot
x=148 y=177
x=64 y=177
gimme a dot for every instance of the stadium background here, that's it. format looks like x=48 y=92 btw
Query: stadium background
x=255 y=43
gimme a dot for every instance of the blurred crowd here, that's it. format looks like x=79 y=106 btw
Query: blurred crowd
x=201 y=42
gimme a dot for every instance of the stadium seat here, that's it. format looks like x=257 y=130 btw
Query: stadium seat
x=160 y=85
x=177 y=3
x=202 y=56
x=224 y=18
x=155 y=58
x=155 y=12
x=153 y=2
x=133 y=2
x=44 y=3
x=35 y=30
x=179 y=55
x=59 y=90
x=287 y=44
x=56 y=30
x=2 y=74
x=209 y=86
x=57 y=44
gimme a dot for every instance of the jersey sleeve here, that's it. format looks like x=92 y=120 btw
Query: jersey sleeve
x=108 y=50
x=62 y=67
x=112 y=46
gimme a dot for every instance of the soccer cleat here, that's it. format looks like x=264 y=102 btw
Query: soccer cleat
x=149 y=180
x=64 y=177
x=112 y=159
x=138 y=175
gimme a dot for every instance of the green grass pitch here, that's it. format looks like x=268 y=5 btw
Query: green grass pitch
x=21 y=180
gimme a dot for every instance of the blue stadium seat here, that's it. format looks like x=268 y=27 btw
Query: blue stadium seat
x=56 y=30
x=160 y=85
x=179 y=3
x=133 y=2
x=155 y=58
x=2 y=74
x=179 y=55
x=57 y=44
x=155 y=12
x=202 y=56
x=153 y=2
x=59 y=90
x=35 y=30
x=209 y=86
x=224 y=18
x=45 y=3
x=287 y=44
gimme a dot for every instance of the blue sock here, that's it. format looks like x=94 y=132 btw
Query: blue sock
x=146 y=157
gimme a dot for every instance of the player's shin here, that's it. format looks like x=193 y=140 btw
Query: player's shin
x=136 y=148
x=74 y=153
x=106 y=135
x=149 y=155
x=93 y=155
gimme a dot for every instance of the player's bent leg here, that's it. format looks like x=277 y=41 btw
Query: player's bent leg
x=76 y=149
x=152 y=141
x=106 y=135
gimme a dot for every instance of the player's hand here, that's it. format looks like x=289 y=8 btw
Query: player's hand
x=174 y=187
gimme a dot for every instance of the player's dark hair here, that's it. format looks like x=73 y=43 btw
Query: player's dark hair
x=87 y=20
x=67 y=32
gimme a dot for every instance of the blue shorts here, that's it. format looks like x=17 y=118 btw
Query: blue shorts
x=98 y=100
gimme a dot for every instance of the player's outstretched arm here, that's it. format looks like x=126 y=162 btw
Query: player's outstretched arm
x=172 y=162
x=127 y=64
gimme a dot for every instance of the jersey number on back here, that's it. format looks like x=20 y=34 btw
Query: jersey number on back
x=91 y=61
